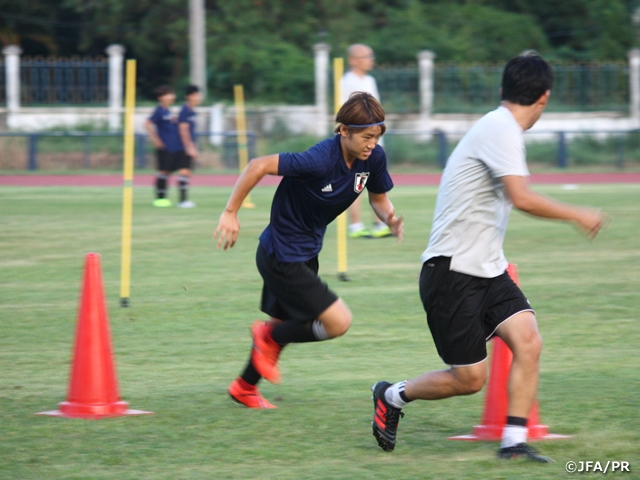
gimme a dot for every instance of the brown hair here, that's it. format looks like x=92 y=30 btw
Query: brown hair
x=163 y=90
x=360 y=109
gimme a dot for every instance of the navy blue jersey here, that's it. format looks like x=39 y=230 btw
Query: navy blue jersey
x=188 y=115
x=316 y=188
x=167 y=128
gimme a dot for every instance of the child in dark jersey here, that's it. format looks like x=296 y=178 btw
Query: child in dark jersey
x=162 y=128
x=187 y=132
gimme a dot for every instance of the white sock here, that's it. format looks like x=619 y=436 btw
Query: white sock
x=319 y=331
x=392 y=395
x=513 y=435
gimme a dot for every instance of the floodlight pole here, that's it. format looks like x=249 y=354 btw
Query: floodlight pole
x=197 y=47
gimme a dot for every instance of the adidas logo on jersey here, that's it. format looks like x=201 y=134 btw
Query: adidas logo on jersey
x=328 y=188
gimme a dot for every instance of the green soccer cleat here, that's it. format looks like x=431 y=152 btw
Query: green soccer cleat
x=360 y=233
x=162 y=202
x=381 y=231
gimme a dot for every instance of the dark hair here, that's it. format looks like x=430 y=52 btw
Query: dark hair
x=163 y=90
x=191 y=89
x=526 y=78
x=360 y=109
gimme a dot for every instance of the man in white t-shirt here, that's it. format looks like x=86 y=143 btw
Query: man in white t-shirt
x=464 y=287
x=361 y=61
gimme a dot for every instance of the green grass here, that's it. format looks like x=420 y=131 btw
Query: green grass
x=186 y=336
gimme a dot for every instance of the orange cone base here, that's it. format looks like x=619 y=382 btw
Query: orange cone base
x=494 y=433
x=93 y=412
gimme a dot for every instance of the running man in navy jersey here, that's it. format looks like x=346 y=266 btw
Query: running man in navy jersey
x=318 y=185
x=162 y=128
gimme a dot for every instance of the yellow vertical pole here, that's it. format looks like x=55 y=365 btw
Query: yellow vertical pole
x=241 y=128
x=127 y=191
x=341 y=221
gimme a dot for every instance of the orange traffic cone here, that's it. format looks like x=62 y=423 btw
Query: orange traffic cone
x=494 y=417
x=93 y=388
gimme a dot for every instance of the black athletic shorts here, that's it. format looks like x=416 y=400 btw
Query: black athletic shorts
x=171 y=161
x=463 y=311
x=292 y=291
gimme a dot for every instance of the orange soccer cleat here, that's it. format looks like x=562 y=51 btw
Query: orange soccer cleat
x=266 y=351
x=248 y=395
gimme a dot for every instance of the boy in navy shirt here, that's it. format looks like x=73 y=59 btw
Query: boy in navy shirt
x=317 y=186
x=163 y=131
x=187 y=130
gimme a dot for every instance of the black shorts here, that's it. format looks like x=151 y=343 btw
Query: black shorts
x=171 y=161
x=292 y=291
x=463 y=311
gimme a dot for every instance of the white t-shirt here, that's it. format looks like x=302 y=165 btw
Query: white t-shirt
x=355 y=83
x=472 y=208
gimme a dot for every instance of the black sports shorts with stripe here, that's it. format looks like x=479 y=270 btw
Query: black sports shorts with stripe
x=464 y=311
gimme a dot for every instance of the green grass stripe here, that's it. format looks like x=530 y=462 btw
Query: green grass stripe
x=186 y=336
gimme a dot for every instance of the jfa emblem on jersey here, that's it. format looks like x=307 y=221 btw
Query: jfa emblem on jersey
x=361 y=181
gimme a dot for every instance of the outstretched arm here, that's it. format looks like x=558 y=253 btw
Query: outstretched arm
x=229 y=225
x=383 y=208
x=589 y=220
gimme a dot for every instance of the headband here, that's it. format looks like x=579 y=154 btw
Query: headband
x=365 y=126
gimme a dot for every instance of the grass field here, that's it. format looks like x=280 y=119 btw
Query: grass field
x=186 y=336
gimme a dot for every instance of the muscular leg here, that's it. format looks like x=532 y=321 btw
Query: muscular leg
x=331 y=323
x=336 y=319
x=521 y=335
x=447 y=383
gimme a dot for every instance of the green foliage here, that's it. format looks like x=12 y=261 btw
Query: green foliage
x=580 y=29
x=267 y=44
x=462 y=33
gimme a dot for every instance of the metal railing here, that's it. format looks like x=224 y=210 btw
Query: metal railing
x=562 y=149
x=86 y=150
x=578 y=88
x=457 y=88
x=399 y=88
x=63 y=81
x=475 y=88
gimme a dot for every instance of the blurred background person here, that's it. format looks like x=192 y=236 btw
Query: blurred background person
x=361 y=62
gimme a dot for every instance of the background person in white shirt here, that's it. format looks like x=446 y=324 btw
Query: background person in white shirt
x=464 y=286
x=361 y=61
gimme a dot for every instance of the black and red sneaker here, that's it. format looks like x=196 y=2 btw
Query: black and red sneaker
x=385 y=418
x=522 y=450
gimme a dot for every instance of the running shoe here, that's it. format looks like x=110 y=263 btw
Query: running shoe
x=381 y=230
x=248 y=395
x=385 y=418
x=162 y=202
x=359 y=233
x=186 y=204
x=522 y=450
x=265 y=352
